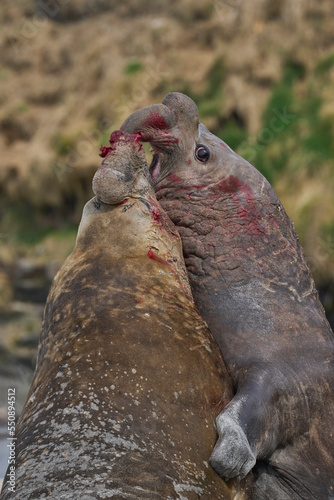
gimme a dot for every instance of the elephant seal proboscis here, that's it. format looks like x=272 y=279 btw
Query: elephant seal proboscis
x=252 y=285
x=128 y=379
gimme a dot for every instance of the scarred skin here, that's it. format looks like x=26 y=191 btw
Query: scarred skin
x=128 y=380
x=252 y=285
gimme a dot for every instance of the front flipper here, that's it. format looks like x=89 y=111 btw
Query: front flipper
x=232 y=455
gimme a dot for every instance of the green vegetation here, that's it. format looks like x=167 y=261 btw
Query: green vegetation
x=327 y=234
x=18 y=223
x=25 y=225
x=210 y=104
x=324 y=65
x=233 y=133
x=133 y=66
x=21 y=106
x=209 y=101
x=295 y=133
x=63 y=144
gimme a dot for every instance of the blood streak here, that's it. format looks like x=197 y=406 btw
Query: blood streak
x=155 y=120
x=245 y=205
x=123 y=201
x=173 y=178
x=153 y=256
x=232 y=185
x=117 y=137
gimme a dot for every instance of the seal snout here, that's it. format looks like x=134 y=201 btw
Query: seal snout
x=123 y=172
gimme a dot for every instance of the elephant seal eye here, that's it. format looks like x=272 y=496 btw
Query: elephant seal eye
x=202 y=153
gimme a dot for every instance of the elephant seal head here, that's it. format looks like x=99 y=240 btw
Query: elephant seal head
x=183 y=148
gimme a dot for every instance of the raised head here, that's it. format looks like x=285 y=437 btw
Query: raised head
x=184 y=149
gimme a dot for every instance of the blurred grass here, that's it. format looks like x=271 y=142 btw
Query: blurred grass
x=293 y=147
x=133 y=66
x=306 y=133
x=63 y=144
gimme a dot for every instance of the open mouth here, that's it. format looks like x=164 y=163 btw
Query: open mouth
x=154 y=168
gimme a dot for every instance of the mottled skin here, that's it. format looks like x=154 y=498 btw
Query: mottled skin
x=252 y=285
x=128 y=379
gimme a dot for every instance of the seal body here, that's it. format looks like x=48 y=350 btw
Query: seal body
x=251 y=283
x=128 y=379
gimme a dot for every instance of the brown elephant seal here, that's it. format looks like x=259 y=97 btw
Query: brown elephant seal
x=253 y=287
x=128 y=379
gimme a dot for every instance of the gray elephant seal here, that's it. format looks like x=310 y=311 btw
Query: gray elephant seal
x=128 y=379
x=252 y=285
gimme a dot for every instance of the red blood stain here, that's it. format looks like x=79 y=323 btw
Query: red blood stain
x=232 y=185
x=104 y=151
x=123 y=201
x=155 y=120
x=153 y=256
x=117 y=137
x=156 y=130
x=156 y=215
x=173 y=178
x=244 y=202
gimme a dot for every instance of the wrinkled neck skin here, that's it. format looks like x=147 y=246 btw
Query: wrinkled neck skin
x=241 y=250
x=235 y=231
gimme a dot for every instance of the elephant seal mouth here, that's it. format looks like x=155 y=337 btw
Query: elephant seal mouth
x=155 y=167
